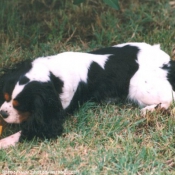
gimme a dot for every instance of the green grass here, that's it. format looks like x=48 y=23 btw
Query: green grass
x=97 y=139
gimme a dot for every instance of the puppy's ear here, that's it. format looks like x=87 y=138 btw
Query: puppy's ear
x=48 y=116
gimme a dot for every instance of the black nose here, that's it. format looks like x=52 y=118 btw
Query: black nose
x=4 y=114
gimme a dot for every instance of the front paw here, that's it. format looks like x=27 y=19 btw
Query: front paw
x=10 y=140
x=5 y=143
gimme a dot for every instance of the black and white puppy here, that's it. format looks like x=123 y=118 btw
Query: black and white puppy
x=39 y=94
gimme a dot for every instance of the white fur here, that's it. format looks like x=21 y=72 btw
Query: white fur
x=10 y=140
x=14 y=116
x=149 y=85
x=70 y=67
x=17 y=89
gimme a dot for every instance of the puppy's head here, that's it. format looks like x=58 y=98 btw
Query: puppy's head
x=10 y=113
x=29 y=98
x=16 y=107
x=36 y=106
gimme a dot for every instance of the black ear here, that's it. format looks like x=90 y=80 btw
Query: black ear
x=47 y=115
x=1 y=89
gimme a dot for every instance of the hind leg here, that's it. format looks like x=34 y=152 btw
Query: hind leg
x=151 y=108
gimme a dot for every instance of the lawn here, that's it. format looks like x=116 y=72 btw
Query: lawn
x=97 y=139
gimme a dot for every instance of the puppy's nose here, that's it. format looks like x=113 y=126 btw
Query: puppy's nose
x=4 y=114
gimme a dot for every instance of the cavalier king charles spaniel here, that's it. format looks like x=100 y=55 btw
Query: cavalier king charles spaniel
x=38 y=94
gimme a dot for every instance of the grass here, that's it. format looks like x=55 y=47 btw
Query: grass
x=98 y=139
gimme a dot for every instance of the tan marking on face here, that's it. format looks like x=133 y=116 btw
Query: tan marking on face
x=23 y=116
x=15 y=103
x=7 y=97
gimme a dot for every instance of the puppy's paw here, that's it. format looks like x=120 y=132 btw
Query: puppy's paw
x=10 y=140
x=150 y=108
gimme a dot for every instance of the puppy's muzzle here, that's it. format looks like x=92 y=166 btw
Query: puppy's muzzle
x=4 y=114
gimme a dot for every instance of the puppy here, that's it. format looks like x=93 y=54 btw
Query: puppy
x=39 y=94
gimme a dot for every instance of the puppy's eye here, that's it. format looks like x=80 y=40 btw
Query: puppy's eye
x=7 y=97
x=15 y=103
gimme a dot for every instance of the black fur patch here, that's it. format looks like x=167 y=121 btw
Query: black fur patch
x=57 y=83
x=23 y=80
x=170 y=68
